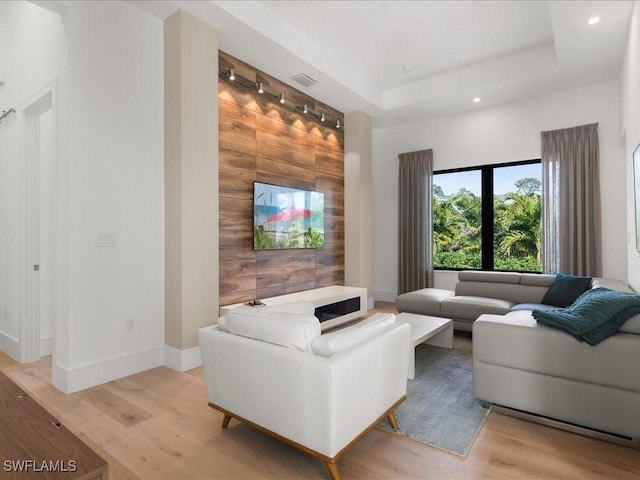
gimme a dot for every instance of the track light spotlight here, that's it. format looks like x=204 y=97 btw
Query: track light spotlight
x=260 y=88
x=322 y=117
x=304 y=109
x=282 y=98
x=337 y=123
x=232 y=74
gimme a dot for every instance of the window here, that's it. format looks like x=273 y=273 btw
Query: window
x=488 y=217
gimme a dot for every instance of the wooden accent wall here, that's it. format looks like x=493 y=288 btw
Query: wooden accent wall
x=266 y=141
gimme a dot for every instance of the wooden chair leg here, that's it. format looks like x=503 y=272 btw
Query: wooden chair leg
x=226 y=420
x=334 y=471
x=393 y=421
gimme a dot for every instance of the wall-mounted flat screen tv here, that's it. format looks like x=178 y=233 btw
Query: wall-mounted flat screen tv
x=285 y=217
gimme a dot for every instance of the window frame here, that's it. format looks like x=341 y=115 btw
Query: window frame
x=487 y=222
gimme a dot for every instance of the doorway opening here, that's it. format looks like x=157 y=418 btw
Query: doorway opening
x=40 y=127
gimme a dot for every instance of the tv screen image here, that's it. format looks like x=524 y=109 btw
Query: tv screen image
x=285 y=217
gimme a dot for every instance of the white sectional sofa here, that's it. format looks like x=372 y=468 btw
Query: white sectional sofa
x=520 y=364
x=480 y=292
x=523 y=365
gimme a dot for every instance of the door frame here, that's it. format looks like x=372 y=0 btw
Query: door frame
x=44 y=100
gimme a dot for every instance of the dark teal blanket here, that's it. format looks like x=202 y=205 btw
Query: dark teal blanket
x=596 y=315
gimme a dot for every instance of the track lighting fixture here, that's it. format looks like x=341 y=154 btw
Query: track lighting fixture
x=259 y=87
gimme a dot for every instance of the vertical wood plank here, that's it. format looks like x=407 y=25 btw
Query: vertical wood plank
x=236 y=174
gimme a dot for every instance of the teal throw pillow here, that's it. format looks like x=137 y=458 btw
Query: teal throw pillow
x=565 y=290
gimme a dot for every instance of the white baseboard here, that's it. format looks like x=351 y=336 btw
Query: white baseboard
x=10 y=345
x=71 y=380
x=385 y=296
x=46 y=346
x=182 y=360
x=370 y=303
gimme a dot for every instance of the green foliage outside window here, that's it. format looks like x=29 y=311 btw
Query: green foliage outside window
x=517 y=228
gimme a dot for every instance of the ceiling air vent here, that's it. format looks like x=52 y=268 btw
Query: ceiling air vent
x=304 y=79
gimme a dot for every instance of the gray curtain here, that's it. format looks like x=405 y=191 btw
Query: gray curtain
x=571 y=227
x=415 y=192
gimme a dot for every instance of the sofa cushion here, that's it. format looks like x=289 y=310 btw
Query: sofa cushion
x=533 y=287
x=469 y=308
x=611 y=283
x=288 y=329
x=565 y=289
x=531 y=306
x=522 y=316
x=486 y=276
x=331 y=343
x=537 y=279
x=511 y=292
x=632 y=325
x=425 y=301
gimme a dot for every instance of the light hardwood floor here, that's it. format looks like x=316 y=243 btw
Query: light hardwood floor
x=157 y=425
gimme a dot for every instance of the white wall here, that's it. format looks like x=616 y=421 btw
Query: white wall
x=502 y=134
x=33 y=55
x=115 y=167
x=108 y=58
x=630 y=87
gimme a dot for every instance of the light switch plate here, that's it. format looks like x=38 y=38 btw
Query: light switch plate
x=106 y=240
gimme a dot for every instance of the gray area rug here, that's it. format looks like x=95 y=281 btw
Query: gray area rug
x=440 y=409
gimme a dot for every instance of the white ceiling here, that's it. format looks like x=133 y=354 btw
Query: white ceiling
x=402 y=61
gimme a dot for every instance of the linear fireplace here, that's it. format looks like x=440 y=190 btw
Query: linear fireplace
x=337 y=309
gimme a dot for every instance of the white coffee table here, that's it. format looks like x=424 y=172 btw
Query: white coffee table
x=435 y=331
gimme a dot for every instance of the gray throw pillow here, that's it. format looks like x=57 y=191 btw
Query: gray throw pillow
x=565 y=290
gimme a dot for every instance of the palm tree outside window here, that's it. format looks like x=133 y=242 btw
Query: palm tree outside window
x=488 y=217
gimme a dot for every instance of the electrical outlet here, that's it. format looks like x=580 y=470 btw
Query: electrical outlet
x=128 y=325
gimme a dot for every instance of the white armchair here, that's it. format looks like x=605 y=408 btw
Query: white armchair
x=321 y=403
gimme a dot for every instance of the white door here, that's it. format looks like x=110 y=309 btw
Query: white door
x=40 y=129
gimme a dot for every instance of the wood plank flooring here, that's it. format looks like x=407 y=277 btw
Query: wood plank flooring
x=157 y=425
x=29 y=432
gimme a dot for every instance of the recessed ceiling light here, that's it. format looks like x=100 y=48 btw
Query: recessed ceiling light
x=476 y=100
x=407 y=68
x=593 y=20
